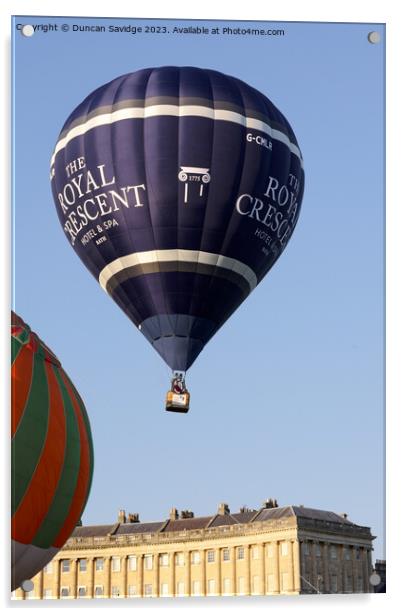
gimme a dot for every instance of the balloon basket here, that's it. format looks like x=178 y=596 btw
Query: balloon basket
x=178 y=403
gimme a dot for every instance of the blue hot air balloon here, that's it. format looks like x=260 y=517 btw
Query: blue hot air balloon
x=179 y=188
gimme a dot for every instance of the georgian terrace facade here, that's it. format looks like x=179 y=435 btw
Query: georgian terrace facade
x=270 y=551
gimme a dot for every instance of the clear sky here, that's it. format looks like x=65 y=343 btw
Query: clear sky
x=288 y=398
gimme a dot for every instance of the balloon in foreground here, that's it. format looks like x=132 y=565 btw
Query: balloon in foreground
x=52 y=455
x=178 y=188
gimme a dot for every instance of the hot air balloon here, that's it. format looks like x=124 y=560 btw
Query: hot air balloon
x=52 y=455
x=179 y=188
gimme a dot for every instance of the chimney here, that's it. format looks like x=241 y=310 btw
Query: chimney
x=133 y=518
x=186 y=514
x=271 y=503
x=173 y=514
x=223 y=509
x=121 y=518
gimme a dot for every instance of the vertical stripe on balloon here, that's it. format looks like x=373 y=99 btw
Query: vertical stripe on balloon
x=54 y=520
x=40 y=491
x=21 y=379
x=81 y=488
x=29 y=438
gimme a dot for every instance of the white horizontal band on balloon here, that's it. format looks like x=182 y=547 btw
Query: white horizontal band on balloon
x=180 y=255
x=178 y=111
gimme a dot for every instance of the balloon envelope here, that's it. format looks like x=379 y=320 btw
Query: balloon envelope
x=178 y=188
x=52 y=454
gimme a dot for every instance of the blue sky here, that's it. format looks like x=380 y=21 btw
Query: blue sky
x=288 y=398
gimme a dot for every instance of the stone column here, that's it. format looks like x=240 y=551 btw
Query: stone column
x=56 y=579
x=314 y=576
x=340 y=568
x=140 y=574
x=218 y=571
x=247 y=567
x=40 y=585
x=74 y=577
x=187 y=573
x=91 y=576
x=108 y=576
x=326 y=567
x=233 y=561
x=124 y=564
x=261 y=569
x=303 y=566
x=155 y=576
x=366 y=587
x=354 y=568
x=369 y=566
x=172 y=577
x=203 y=590
x=277 y=564
x=296 y=557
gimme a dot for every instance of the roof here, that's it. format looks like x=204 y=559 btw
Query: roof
x=211 y=521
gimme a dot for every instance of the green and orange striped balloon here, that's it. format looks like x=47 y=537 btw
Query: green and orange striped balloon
x=52 y=454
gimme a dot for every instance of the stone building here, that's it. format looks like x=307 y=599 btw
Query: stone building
x=268 y=551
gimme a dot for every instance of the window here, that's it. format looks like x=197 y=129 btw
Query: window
x=48 y=568
x=240 y=553
x=164 y=560
x=30 y=594
x=271 y=582
x=148 y=590
x=196 y=558
x=115 y=591
x=65 y=566
x=226 y=554
x=99 y=589
x=270 y=550
x=64 y=592
x=284 y=581
x=82 y=591
x=306 y=548
x=226 y=586
x=284 y=548
x=359 y=585
x=318 y=549
x=132 y=590
x=180 y=558
x=82 y=562
x=196 y=590
x=334 y=583
x=333 y=553
x=148 y=561
x=164 y=589
x=240 y=585
x=211 y=556
x=115 y=563
x=255 y=552
x=180 y=589
x=255 y=585
x=47 y=593
x=211 y=587
x=349 y=585
x=346 y=553
x=99 y=564
x=358 y=553
x=132 y=563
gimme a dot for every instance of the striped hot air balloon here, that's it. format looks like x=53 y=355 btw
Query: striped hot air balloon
x=52 y=454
